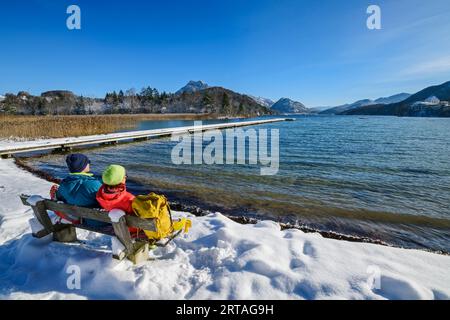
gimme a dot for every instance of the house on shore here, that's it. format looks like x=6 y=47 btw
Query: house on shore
x=430 y=101
x=433 y=100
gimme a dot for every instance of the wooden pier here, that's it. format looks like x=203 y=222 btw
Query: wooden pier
x=66 y=144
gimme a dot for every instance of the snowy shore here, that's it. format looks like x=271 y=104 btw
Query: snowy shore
x=218 y=259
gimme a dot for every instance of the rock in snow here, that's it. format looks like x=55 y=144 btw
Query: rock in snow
x=217 y=259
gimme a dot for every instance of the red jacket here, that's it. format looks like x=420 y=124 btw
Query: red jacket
x=116 y=198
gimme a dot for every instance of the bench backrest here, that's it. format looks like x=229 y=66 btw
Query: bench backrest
x=89 y=213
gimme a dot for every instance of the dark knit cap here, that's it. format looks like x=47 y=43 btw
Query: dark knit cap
x=77 y=162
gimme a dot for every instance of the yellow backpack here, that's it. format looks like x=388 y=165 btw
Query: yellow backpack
x=155 y=206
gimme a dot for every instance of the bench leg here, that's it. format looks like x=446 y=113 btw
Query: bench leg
x=40 y=212
x=140 y=253
x=123 y=234
x=66 y=234
x=135 y=251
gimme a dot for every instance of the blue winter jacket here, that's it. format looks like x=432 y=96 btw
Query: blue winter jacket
x=79 y=189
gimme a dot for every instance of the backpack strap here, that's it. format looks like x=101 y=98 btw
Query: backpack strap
x=180 y=224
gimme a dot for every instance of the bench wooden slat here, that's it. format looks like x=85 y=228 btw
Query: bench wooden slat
x=144 y=224
x=108 y=230
x=79 y=212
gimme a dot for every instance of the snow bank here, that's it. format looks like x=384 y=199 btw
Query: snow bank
x=217 y=259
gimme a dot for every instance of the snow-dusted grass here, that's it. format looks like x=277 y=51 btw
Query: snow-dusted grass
x=33 y=127
x=218 y=259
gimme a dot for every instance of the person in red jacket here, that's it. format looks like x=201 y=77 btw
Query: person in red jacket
x=113 y=193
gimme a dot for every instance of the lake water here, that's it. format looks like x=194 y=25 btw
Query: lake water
x=385 y=178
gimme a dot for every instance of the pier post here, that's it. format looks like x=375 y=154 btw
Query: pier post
x=109 y=143
x=141 y=139
x=63 y=149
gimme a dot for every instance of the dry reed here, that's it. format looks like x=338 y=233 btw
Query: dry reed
x=19 y=127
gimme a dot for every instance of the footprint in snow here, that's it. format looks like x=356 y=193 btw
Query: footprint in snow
x=308 y=249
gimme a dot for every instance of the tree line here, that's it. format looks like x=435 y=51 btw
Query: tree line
x=214 y=100
x=148 y=100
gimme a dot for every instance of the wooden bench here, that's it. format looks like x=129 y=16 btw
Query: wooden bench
x=135 y=250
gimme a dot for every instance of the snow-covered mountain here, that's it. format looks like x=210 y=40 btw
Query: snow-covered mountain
x=366 y=102
x=193 y=86
x=433 y=101
x=2 y=97
x=348 y=106
x=263 y=101
x=393 y=99
x=286 y=105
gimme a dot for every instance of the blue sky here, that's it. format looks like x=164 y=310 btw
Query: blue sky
x=317 y=52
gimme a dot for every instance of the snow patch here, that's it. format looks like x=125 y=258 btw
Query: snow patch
x=33 y=200
x=116 y=246
x=35 y=225
x=115 y=215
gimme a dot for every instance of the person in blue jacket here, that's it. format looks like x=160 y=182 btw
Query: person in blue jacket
x=80 y=187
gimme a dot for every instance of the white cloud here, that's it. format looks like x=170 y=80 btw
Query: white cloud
x=430 y=67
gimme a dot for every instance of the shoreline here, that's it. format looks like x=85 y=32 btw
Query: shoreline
x=243 y=219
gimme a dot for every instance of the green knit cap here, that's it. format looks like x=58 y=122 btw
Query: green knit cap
x=113 y=175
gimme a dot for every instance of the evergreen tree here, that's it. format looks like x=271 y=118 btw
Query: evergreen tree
x=207 y=100
x=9 y=104
x=115 y=102
x=41 y=107
x=121 y=96
x=226 y=106
x=155 y=93
x=80 y=106
x=241 y=109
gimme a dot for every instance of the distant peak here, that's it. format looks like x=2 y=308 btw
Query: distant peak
x=286 y=105
x=193 y=86
x=198 y=82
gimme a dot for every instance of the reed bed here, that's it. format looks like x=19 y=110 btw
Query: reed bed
x=34 y=127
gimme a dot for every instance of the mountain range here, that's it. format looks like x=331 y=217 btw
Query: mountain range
x=432 y=101
x=199 y=97
x=366 y=102
x=283 y=105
